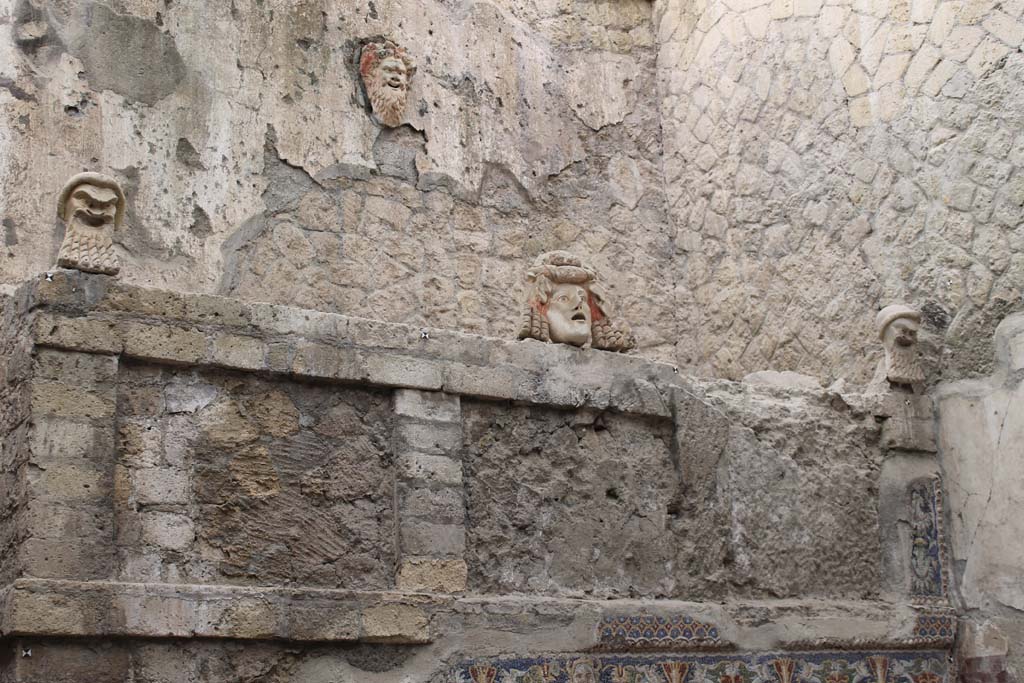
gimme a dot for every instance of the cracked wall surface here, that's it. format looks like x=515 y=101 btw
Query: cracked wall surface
x=553 y=507
x=253 y=169
x=211 y=489
x=754 y=178
x=826 y=158
x=981 y=436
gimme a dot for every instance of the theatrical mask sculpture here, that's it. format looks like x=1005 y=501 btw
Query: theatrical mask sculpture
x=92 y=207
x=897 y=328
x=567 y=305
x=386 y=69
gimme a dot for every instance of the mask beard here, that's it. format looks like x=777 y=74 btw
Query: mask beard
x=903 y=366
x=388 y=103
x=88 y=250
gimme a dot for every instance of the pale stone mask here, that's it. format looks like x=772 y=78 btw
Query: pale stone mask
x=902 y=332
x=567 y=305
x=569 y=315
x=897 y=326
x=92 y=206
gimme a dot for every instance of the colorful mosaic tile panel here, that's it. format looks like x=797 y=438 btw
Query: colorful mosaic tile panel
x=645 y=631
x=927 y=553
x=924 y=666
x=935 y=627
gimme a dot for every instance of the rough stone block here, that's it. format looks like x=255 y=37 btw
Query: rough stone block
x=439 y=505
x=321 y=622
x=1005 y=28
x=163 y=343
x=188 y=398
x=70 y=482
x=148 y=302
x=67 y=558
x=234 y=351
x=67 y=661
x=81 y=369
x=216 y=310
x=80 y=334
x=168 y=530
x=62 y=400
x=432 y=438
x=297 y=321
x=433 y=540
x=434 y=406
x=430 y=469
x=432 y=575
x=54 y=441
x=498 y=382
x=279 y=357
x=320 y=360
x=402 y=371
x=909 y=423
x=250 y=617
x=160 y=485
x=395 y=623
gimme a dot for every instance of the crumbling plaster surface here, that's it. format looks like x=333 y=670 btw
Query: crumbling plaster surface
x=324 y=434
x=224 y=478
x=253 y=169
x=824 y=159
x=981 y=437
x=769 y=500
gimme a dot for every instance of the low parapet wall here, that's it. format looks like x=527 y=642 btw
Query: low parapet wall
x=199 y=468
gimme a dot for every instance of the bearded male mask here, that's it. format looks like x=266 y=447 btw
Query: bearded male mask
x=567 y=305
x=897 y=328
x=386 y=69
x=92 y=207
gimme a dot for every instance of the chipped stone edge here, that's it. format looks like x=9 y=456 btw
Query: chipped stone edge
x=64 y=608
x=93 y=314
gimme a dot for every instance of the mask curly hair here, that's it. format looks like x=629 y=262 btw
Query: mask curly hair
x=560 y=267
x=387 y=103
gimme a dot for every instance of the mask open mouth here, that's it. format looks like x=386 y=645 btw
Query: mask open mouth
x=579 y=318
x=93 y=220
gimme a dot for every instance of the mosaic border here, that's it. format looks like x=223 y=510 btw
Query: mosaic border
x=870 y=666
x=928 y=584
x=652 y=632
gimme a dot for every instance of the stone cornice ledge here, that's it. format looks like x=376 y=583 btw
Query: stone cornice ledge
x=50 y=607
x=96 y=314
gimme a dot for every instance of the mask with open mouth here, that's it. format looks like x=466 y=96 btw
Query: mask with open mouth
x=569 y=315
x=567 y=305
x=92 y=206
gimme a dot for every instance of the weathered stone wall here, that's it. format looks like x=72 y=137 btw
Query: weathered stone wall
x=756 y=178
x=252 y=169
x=981 y=435
x=768 y=503
x=824 y=159
x=203 y=477
x=229 y=479
x=15 y=372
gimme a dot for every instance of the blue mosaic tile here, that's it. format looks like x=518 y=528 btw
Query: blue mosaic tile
x=927 y=577
x=922 y=666
x=935 y=627
x=645 y=631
